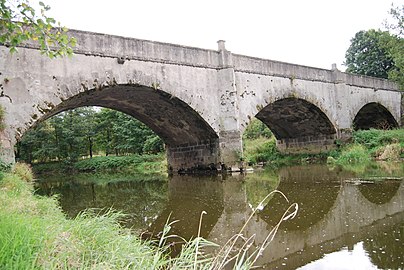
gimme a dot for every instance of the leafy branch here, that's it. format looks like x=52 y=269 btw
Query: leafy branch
x=20 y=22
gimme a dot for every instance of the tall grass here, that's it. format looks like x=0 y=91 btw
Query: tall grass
x=35 y=234
x=355 y=153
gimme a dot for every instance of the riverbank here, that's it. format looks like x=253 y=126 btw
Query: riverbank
x=147 y=166
x=366 y=145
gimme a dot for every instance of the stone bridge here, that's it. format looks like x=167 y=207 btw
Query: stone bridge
x=198 y=101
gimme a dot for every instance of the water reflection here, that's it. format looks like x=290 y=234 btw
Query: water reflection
x=335 y=217
x=142 y=203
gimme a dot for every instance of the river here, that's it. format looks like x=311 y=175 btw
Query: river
x=344 y=221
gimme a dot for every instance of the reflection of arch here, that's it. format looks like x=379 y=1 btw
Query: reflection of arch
x=380 y=193
x=188 y=197
x=374 y=115
x=296 y=183
x=169 y=117
x=295 y=118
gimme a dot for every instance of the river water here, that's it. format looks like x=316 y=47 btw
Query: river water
x=344 y=221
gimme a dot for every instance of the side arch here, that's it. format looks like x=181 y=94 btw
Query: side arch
x=297 y=123
x=374 y=115
x=191 y=142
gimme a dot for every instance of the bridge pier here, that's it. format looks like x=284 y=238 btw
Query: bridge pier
x=230 y=137
x=188 y=158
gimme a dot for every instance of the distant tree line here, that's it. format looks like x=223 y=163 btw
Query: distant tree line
x=84 y=132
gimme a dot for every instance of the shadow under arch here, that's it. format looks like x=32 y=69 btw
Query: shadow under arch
x=295 y=121
x=168 y=116
x=173 y=120
x=374 y=115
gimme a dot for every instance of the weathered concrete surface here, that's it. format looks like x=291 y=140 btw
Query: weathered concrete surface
x=199 y=101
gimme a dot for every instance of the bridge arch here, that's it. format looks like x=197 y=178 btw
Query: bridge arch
x=374 y=115
x=181 y=128
x=298 y=123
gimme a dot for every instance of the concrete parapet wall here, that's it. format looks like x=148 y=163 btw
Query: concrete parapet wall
x=96 y=44
x=254 y=65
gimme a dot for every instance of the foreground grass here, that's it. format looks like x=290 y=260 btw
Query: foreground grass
x=35 y=234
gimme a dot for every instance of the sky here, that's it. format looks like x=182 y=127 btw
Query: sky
x=307 y=32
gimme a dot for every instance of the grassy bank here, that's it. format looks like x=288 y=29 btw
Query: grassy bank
x=34 y=234
x=366 y=145
x=146 y=165
x=263 y=150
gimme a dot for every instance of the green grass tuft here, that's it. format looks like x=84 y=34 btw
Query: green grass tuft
x=355 y=153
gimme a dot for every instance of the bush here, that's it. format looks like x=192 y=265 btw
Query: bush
x=257 y=129
x=390 y=152
x=374 y=138
x=355 y=153
x=260 y=150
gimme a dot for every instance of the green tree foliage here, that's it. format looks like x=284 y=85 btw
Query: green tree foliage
x=20 y=21
x=395 y=24
x=380 y=53
x=395 y=44
x=84 y=132
x=367 y=56
x=257 y=129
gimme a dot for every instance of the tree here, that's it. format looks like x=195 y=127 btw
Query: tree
x=395 y=44
x=86 y=131
x=380 y=53
x=20 y=22
x=395 y=24
x=367 y=54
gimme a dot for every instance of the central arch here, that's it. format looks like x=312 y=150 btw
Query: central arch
x=297 y=123
x=183 y=130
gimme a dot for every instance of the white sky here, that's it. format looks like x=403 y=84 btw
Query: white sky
x=308 y=32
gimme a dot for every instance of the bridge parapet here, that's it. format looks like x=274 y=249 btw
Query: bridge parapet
x=267 y=67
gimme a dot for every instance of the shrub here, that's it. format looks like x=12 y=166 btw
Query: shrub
x=260 y=150
x=257 y=129
x=390 y=152
x=355 y=153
